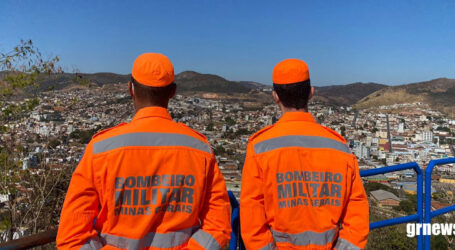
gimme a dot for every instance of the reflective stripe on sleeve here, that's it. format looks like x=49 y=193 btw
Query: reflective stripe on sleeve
x=300 y=141
x=152 y=239
x=206 y=240
x=343 y=244
x=305 y=238
x=93 y=243
x=149 y=139
x=270 y=246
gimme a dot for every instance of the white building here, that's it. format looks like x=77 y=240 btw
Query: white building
x=400 y=128
x=427 y=136
x=362 y=151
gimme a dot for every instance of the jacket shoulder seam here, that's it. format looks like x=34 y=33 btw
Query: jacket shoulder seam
x=195 y=131
x=255 y=135
x=108 y=129
x=335 y=133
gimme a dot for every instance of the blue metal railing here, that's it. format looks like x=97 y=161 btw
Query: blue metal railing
x=418 y=217
x=428 y=213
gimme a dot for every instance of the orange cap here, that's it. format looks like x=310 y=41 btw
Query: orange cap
x=290 y=71
x=153 y=69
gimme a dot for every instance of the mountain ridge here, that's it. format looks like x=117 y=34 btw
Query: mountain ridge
x=438 y=93
x=345 y=95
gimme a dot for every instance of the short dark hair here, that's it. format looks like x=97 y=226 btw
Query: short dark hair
x=157 y=96
x=294 y=95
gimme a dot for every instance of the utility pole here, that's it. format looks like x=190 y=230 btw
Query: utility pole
x=388 y=134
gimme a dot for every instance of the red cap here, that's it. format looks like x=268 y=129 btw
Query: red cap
x=153 y=69
x=290 y=71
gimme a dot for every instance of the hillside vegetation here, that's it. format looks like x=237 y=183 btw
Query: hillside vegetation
x=190 y=81
x=438 y=93
x=345 y=95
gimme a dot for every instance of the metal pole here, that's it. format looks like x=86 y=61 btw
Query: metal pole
x=419 y=205
x=428 y=215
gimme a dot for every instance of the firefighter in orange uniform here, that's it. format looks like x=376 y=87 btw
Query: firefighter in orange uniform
x=148 y=184
x=301 y=187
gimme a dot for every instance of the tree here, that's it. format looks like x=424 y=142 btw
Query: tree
x=219 y=150
x=24 y=67
x=439 y=196
x=35 y=196
x=209 y=127
x=54 y=143
x=406 y=206
x=439 y=242
x=229 y=121
x=242 y=131
x=392 y=237
x=343 y=131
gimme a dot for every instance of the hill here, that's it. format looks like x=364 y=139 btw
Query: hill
x=438 y=93
x=64 y=80
x=190 y=81
x=345 y=94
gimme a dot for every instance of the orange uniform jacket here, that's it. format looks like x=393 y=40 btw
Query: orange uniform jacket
x=152 y=183
x=301 y=189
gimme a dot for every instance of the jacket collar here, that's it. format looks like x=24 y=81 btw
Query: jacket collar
x=152 y=112
x=297 y=116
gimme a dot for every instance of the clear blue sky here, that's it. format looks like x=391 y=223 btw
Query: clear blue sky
x=388 y=42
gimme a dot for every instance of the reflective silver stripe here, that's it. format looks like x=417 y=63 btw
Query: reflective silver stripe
x=305 y=238
x=343 y=244
x=206 y=240
x=270 y=246
x=300 y=141
x=93 y=243
x=149 y=139
x=159 y=240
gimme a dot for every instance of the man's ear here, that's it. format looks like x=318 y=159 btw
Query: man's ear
x=311 y=93
x=131 y=89
x=275 y=97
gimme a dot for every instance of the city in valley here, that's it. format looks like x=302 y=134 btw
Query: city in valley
x=56 y=131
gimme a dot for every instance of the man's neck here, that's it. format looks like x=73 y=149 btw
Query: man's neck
x=286 y=110
x=139 y=106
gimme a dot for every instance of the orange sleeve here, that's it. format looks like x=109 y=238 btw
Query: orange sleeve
x=215 y=213
x=80 y=208
x=253 y=222
x=355 y=223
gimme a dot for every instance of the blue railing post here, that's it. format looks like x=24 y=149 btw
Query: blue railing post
x=420 y=206
x=236 y=239
x=428 y=213
x=418 y=217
